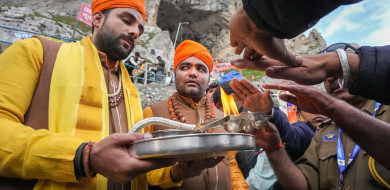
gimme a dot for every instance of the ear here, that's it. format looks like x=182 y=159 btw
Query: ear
x=97 y=19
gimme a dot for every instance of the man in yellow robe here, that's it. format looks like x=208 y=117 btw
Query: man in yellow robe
x=56 y=97
x=193 y=64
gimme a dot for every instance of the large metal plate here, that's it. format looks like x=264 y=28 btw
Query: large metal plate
x=192 y=146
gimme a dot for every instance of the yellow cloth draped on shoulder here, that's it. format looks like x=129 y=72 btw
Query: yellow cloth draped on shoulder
x=78 y=107
x=77 y=95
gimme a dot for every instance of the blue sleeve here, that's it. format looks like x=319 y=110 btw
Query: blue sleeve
x=297 y=136
x=373 y=78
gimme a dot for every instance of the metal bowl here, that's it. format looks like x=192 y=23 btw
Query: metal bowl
x=192 y=146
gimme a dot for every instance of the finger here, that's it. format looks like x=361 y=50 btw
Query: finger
x=238 y=99
x=301 y=75
x=233 y=40
x=123 y=139
x=234 y=85
x=256 y=56
x=289 y=98
x=248 y=85
x=213 y=162
x=283 y=85
x=248 y=52
x=260 y=64
x=267 y=94
x=239 y=85
x=239 y=48
x=144 y=166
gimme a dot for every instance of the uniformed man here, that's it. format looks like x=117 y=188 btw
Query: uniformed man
x=333 y=160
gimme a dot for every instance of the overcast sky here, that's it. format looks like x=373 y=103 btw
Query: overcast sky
x=364 y=23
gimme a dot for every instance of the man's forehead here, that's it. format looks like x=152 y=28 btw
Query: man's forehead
x=193 y=60
x=134 y=12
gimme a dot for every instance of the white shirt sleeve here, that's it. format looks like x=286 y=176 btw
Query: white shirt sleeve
x=132 y=61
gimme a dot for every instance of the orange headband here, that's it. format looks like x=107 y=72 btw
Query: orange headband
x=100 y=5
x=189 y=48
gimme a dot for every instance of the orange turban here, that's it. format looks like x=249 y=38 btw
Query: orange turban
x=189 y=48
x=99 y=5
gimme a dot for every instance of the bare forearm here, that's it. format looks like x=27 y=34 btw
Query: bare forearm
x=286 y=171
x=370 y=133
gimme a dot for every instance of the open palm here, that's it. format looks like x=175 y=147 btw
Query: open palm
x=251 y=97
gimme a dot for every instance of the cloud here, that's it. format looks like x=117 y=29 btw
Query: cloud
x=379 y=19
x=343 y=21
x=378 y=37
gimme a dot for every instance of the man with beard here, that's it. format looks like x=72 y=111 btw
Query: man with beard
x=56 y=97
x=333 y=160
x=190 y=104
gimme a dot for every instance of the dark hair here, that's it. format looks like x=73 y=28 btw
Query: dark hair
x=158 y=57
x=136 y=53
x=217 y=93
x=211 y=86
x=105 y=13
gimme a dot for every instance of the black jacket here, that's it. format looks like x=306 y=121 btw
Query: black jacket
x=373 y=79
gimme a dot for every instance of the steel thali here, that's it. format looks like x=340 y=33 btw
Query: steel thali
x=191 y=146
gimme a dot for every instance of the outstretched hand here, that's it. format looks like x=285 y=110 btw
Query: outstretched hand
x=110 y=157
x=308 y=69
x=307 y=98
x=184 y=170
x=267 y=137
x=251 y=97
x=246 y=37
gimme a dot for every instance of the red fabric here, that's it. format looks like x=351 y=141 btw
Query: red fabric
x=189 y=48
x=99 y=5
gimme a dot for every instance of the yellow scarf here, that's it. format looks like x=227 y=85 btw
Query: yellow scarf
x=78 y=103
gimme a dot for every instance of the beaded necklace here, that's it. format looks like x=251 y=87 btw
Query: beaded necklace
x=176 y=115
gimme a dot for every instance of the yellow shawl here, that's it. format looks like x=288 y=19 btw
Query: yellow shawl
x=78 y=103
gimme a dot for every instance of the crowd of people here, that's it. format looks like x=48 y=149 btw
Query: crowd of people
x=66 y=108
x=145 y=72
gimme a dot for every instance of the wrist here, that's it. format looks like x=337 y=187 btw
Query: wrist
x=86 y=160
x=78 y=162
x=332 y=64
x=272 y=148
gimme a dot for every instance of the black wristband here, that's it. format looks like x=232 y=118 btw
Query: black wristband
x=78 y=162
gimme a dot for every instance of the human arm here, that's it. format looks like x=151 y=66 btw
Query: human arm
x=373 y=139
x=267 y=137
x=123 y=167
x=297 y=136
x=36 y=154
x=259 y=26
x=244 y=36
x=369 y=70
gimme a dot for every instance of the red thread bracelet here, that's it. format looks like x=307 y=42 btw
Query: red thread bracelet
x=86 y=156
x=280 y=145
